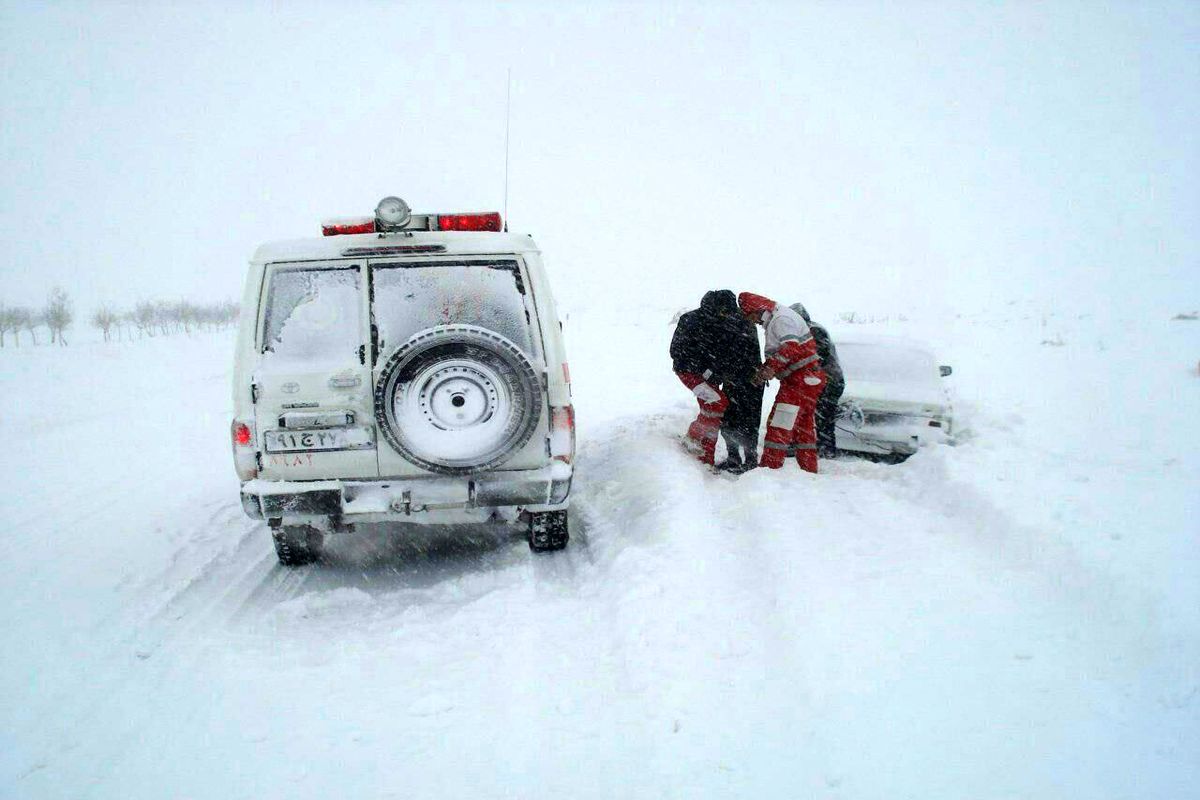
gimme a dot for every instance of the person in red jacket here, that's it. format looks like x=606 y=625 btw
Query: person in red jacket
x=791 y=356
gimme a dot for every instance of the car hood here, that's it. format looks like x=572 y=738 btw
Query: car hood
x=899 y=397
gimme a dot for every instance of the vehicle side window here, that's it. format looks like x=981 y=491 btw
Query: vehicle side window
x=409 y=299
x=313 y=314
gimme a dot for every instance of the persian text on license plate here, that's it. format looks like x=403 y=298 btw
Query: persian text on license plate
x=329 y=439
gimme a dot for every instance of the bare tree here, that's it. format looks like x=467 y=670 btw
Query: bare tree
x=228 y=313
x=163 y=316
x=104 y=318
x=143 y=318
x=183 y=316
x=130 y=318
x=28 y=321
x=7 y=322
x=151 y=317
x=58 y=315
x=14 y=319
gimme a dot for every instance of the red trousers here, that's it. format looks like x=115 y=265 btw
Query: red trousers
x=702 y=433
x=793 y=420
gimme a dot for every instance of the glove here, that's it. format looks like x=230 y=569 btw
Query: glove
x=762 y=375
x=705 y=393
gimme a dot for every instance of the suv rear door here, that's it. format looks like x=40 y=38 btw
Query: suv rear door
x=313 y=406
x=488 y=292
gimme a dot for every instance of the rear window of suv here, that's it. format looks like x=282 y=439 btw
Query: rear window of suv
x=410 y=298
x=886 y=363
x=312 y=315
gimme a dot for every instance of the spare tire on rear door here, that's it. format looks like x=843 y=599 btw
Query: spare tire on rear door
x=458 y=399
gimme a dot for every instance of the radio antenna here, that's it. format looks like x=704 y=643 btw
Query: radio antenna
x=507 y=119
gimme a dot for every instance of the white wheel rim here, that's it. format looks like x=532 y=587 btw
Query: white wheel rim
x=453 y=411
x=457 y=396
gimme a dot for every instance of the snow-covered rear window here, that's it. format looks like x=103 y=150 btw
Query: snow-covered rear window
x=413 y=298
x=313 y=314
x=885 y=363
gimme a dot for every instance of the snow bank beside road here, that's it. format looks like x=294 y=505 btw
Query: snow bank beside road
x=1015 y=616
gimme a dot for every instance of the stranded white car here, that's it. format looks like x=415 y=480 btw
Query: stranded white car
x=403 y=367
x=894 y=399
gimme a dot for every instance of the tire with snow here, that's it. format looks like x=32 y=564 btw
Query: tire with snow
x=296 y=545
x=548 y=531
x=458 y=399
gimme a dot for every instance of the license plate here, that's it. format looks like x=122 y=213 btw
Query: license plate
x=325 y=439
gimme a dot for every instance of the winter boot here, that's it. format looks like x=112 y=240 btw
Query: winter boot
x=733 y=455
x=750 y=461
x=745 y=448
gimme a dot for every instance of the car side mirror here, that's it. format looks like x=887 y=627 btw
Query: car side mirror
x=945 y=370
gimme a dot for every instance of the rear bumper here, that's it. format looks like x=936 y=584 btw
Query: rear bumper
x=892 y=439
x=869 y=442
x=433 y=499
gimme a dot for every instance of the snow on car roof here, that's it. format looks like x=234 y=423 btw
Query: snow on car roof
x=842 y=336
x=455 y=243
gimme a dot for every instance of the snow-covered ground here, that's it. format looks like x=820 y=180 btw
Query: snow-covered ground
x=1016 y=616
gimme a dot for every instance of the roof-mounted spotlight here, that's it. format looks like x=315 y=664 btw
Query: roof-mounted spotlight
x=392 y=214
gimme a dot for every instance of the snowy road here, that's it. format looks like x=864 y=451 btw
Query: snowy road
x=1013 y=617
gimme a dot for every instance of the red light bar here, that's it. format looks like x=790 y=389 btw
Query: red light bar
x=484 y=221
x=340 y=227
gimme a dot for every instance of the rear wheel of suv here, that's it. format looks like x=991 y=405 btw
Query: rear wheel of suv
x=458 y=399
x=548 y=531
x=296 y=545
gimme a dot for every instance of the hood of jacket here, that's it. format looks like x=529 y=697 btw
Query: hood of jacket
x=751 y=303
x=718 y=302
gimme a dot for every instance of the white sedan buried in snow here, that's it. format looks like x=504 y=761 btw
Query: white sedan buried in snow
x=894 y=399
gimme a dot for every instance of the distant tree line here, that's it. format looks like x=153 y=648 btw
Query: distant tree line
x=147 y=318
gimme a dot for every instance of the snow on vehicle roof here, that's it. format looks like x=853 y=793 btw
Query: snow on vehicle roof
x=842 y=336
x=455 y=243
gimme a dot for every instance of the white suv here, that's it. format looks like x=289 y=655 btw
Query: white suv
x=404 y=367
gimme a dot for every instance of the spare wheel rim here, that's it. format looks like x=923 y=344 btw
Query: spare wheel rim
x=459 y=394
x=457 y=412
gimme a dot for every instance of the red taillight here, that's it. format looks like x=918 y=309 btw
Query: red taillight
x=245 y=460
x=562 y=433
x=566 y=372
x=340 y=227
x=241 y=434
x=489 y=221
x=562 y=418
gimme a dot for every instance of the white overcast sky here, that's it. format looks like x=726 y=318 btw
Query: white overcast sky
x=878 y=156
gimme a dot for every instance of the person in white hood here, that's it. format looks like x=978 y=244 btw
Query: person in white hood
x=791 y=356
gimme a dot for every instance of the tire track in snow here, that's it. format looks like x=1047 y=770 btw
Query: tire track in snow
x=777 y=568
x=168 y=617
x=667 y=580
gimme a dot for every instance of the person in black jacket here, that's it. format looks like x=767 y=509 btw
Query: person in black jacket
x=738 y=359
x=715 y=353
x=693 y=357
x=835 y=384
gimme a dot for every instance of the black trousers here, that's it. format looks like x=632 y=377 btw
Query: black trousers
x=742 y=419
x=827 y=408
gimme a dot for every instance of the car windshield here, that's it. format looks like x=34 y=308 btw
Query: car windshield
x=410 y=298
x=312 y=315
x=885 y=363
